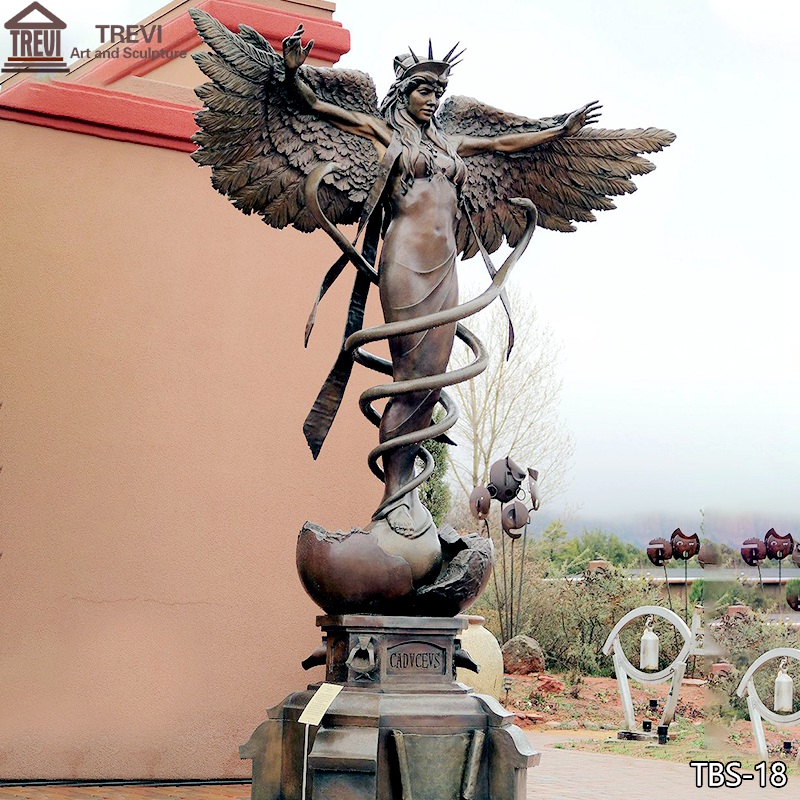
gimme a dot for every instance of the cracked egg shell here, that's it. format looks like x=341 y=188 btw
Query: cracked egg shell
x=348 y=573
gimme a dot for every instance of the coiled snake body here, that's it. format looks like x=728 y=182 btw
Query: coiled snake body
x=355 y=342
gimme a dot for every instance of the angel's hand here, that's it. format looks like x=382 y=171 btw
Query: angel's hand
x=585 y=115
x=294 y=54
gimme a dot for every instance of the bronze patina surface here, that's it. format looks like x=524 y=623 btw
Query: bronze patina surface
x=402 y=727
x=426 y=182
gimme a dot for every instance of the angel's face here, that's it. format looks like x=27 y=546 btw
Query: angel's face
x=423 y=102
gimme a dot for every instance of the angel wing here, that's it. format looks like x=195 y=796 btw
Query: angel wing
x=568 y=179
x=261 y=143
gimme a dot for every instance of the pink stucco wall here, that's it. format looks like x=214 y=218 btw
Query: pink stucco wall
x=155 y=474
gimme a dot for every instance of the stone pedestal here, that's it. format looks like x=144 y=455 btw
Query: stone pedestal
x=402 y=728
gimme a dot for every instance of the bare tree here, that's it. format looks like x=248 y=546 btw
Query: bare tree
x=511 y=408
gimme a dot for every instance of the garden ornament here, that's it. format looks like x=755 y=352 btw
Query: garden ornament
x=755 y=705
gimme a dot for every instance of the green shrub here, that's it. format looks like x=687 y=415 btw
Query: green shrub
x=435 y=493
x=719 y=595
x=571 y=618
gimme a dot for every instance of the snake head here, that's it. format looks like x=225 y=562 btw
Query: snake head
x=531 y=211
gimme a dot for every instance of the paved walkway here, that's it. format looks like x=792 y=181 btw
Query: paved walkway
x=571 y=775
x=562 y=775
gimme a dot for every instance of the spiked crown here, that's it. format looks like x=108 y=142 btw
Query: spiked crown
x=409 y=64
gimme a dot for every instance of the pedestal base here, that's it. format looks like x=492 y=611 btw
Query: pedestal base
x=401 y=729
x=637 y=736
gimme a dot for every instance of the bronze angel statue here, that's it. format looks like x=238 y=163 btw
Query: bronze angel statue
x=426 y=182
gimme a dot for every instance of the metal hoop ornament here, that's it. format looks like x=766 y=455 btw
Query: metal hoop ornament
x=747 y=685
x=612 y=642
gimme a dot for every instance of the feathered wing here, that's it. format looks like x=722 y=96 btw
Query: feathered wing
x=261 y=142
x=568 y=179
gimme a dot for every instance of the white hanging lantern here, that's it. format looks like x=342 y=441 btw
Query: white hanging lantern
x=784 y=690
x=648 y=652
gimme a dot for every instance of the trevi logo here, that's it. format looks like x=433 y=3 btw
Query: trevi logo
x=35 y=41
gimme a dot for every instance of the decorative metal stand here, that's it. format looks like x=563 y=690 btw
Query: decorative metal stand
x=776 y=548
x=400 y=727
x=680 y=547
x=755 y=705
x=624 y=669
x=505 y=486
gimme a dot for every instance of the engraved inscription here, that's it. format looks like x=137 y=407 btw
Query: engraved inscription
x=416 y=658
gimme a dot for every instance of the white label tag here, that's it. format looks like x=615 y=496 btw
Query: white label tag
x=319 y=704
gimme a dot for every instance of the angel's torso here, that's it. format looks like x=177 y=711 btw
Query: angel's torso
x=423 y=215
x=417 y=263
x=433 y=162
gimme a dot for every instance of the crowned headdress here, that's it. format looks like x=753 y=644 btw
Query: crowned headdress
x=409 y=64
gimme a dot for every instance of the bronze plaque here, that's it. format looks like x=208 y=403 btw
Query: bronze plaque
x=416 y=658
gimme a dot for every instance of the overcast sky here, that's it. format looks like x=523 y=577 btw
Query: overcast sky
x=678 y=311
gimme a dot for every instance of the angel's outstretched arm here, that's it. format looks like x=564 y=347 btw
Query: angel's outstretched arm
x=357 y=122
x=514 y=142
